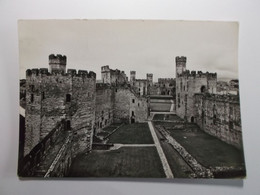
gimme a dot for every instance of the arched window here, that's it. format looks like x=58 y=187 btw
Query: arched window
x=203 y=89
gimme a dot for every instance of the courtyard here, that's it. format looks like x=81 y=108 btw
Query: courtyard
x=132 y=151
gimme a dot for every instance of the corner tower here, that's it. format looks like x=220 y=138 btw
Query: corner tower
x=57 y=63
x=132 y=76
x=149 y=78
x=180 y=65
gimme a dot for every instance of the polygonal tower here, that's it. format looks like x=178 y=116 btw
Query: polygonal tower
x=132 y=76
x=57 y=63
x=180 y=65
x=149 y=77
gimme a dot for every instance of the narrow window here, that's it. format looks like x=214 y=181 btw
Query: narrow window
x=138 y=104
x=203 y=89
x=32 y=98
x=133 y=114
x=32 y=88
x=43 y=95
x=68 y=97
x=68 y=125
x=133 y=100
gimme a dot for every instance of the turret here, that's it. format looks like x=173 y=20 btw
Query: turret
x=105 y=68
x=132 y=76
x=57 y=63
x=149 y=78
x=180 y=65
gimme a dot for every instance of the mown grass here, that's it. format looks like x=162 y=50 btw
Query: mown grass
x=124 y=162
x=160 y=107
x=179 y=167
x=168 y=117
x=137 y=133
x=209 y=150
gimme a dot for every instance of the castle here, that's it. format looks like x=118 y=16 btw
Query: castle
x=197 y=101
x=76 y=98
x=70 y=107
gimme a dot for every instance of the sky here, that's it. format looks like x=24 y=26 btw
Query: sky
x=146 y=46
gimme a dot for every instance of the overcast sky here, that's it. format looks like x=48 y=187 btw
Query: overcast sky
x=141 y=45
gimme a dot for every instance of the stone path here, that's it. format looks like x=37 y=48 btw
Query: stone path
x=166 y=167
x=117 y=146
x=171 y=110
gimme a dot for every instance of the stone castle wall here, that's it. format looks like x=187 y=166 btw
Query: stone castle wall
x=219 y=115
x=105 y=98
x=129 y=107
x=52 y=97
x=82 y=110
x=187 y=84
x=113 y=77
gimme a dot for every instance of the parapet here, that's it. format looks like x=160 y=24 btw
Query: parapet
x=105 y=68
x=217 y=97
x=132 y=72
x=199 y=74
x=180 y=59
x=58 y=59
x=87 y=74
x=72 y=72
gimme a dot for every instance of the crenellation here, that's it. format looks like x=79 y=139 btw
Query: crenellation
x=197 y=101
x=72 y=72
x=44 y=71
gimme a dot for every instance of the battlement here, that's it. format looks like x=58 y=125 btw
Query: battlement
x=149 y=75
x=217 y=97
x=132 y=72
x=199 y=74
x=58 y=59
x=180 y=59
x=105 y=68
x=71 y=72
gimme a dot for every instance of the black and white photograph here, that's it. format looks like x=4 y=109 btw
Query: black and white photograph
x=129 y=99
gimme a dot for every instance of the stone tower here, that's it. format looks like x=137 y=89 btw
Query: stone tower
x=149 y=78
x=180 y=65
x=132 y=76
x=57 y=63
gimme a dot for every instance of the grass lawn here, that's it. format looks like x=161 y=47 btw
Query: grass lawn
x=124 y=162
x=160 y=107
x=158 y=117
x=137 y=133
x=107 y=130
x=170 y=117
x=208 y=150
x=179 y=167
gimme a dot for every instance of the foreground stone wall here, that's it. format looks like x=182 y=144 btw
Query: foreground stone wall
x=219 y=115
x=83 y=109
x=52 y=97
x=51 y=156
